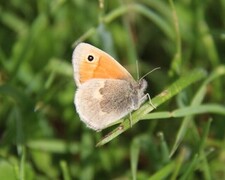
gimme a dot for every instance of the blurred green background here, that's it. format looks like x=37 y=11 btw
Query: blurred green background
x=41 y=134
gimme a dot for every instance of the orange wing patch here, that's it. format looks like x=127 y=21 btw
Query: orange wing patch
x=86 y=71
x=103 y=67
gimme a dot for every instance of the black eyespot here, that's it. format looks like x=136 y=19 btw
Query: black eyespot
x=90 y=58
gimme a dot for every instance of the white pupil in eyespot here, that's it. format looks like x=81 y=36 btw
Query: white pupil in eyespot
x=90 y=58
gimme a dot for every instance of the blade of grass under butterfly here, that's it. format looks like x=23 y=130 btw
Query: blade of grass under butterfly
x=203 y=156
x=164 y=172
x=134 y=154
x=172 y=90
x=65 y=170
x=190 y=168
x=190 y=110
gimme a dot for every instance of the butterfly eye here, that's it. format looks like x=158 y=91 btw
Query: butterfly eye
x=90 y=58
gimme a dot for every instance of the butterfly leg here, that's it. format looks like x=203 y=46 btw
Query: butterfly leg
x=150 y=100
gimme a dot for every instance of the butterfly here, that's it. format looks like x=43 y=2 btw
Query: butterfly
x=106 y=91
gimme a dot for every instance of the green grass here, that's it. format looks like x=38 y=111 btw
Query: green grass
x=41 y=135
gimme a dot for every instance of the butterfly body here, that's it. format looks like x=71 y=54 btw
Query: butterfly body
x=106 y=91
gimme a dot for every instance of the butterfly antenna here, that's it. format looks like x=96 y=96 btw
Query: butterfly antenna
x=149 y=73
x=137 y=69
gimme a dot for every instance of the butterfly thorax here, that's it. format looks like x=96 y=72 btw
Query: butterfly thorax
x=138 y=93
